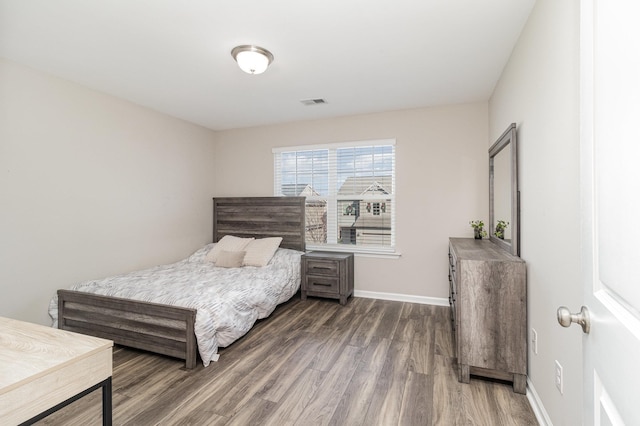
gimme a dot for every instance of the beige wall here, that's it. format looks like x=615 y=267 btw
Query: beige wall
x=441 y=161
x=91 y=185
x=539 y=91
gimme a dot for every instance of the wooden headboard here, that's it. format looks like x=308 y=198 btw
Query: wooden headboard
x=261 y=217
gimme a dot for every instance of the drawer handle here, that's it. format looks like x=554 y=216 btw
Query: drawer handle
x=326 y=268
x=324 y=284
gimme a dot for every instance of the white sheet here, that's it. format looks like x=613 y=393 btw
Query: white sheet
x=228 y=300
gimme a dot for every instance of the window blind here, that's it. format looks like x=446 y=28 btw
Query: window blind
x=349 y=190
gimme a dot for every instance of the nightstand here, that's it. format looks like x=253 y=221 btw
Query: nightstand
x=327 y=274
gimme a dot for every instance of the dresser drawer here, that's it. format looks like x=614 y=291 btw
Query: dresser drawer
x=452 y=289
x=452 y=261
x=452 y=277
x=324 y=267
x=322 y=284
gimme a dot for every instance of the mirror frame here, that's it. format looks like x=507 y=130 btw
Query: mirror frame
x=508 y=138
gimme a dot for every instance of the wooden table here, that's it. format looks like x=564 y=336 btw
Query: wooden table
x=42 y=369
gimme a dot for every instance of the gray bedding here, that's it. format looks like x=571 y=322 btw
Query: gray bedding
x=228 y=300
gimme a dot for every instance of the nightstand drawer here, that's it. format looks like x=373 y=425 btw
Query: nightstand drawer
x=322 y=284
x=327 y=268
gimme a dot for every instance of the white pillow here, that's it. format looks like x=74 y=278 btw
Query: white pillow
x=230 y=259
x=227 y=243
x=260 y=252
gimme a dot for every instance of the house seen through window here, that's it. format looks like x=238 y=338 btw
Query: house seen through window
x=349 y=190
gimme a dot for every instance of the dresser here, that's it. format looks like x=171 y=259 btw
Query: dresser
x=488 y=298
x=43 y=369
x=327 y=274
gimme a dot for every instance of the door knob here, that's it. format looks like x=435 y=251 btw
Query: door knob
x=565 y=318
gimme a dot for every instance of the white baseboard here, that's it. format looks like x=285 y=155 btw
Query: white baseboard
x=402 y=297
x=536 y=405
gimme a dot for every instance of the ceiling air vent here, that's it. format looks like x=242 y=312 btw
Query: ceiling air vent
x=317 y=101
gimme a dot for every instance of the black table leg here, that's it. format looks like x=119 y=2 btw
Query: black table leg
x=106 y=403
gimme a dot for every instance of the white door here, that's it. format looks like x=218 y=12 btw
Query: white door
x=610 y=186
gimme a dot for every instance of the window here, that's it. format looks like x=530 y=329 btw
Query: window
x=349 y=188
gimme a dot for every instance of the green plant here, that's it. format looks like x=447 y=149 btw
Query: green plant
x=500 y=227
x=478 y=229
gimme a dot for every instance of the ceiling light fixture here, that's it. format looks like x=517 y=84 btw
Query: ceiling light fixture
x=252 y=59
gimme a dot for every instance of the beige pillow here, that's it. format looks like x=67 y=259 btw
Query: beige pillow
x=227 y=243
x=260 y=252
x=230 y=259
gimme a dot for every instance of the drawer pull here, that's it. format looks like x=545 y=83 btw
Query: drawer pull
x=322 y=267
x=324 y=284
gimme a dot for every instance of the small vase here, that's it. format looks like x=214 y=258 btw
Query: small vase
x=477 y=234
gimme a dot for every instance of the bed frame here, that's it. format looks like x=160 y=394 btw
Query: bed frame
x=169 y=330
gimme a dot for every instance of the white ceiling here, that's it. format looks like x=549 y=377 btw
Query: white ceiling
x=361 y=56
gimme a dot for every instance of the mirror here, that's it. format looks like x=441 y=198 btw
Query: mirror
x=504 y=203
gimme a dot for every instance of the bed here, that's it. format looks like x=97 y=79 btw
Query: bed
x=166 y=326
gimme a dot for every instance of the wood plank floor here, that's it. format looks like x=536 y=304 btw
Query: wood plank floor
x=371 y=362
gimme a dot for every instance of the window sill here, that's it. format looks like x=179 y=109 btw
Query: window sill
x=357 y=251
